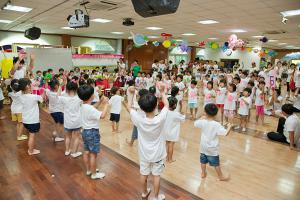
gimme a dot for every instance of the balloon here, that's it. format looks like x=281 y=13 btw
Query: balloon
x=215 y=45
x=146 y=38
x=264 y=39
x=201 y=44
x=232 y=39
x=224 y=48
x=262 y=54
x=166 y=43
x=183 y=47
x=255 y=50
x=166 y=35
x=155 y=43
x=138 y=39
x=266 y=51
x=249 y=49
x=242 y=48
x=228 y=52
x=226 y=44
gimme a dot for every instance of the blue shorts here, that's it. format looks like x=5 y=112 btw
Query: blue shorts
x=212 y=160
x=32 y=128
x=114 y=117
x=193 y=105
x=91 y=140
x=69 y=130
x=58 y=117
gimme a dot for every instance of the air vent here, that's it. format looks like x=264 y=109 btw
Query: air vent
x=274 y=32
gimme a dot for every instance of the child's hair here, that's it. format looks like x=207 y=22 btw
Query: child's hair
x=14 y=84
x=159 y=76
x=172 y=103
x=72 y=86
x=210 y=83
x=38 y=71
x=114 y=90
x=142 y=92
x=262 y=82
x=233 y=87
x=85 y=76
x=23 y=83
x=85 y=92
x=130 y=82
x=15 y=60
x=248 y=90
x=174 y=91
x=245 y=72
x=179 y=76
x=82 y=82
x=278 y=92
x=251 y=83
x=152 y=90
x=53 y=84
x=148 y=103
x=211 y=109
x=61 y=70
x=223 y=81
x=288 y=108
x=90 y=81
x=194 y=82
x=237 y=78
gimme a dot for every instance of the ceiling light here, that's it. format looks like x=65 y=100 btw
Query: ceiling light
x=5 y=21
x=257 y=36
x=282 y=43
x=238 y=31
x=100 y=20
x=154 y=28
x=212 y=38
x=188 y=34
x=208 y=22
x=273 y=40
x=68 y=28
x=9 y=6
x=179 y=40
x=153 y=36
x=290 y=13
x=117 y=33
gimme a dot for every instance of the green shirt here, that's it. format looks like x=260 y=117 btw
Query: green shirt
x=136 y=70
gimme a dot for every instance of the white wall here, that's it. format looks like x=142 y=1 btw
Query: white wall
x=7 y=38
x=245 y=58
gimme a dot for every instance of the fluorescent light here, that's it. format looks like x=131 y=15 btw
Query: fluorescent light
x=179 y=40
x=188 y=34
x=282 y=43
x=154 y=28
x=208 y=22
x=117 y=33
x=100 y=20
x=5 y=21
x=290 y=13
x=212 y=38
x=257 y=36
x=16 y=8
x=238 y=31
x=153 y=36
x=67 y=28
x=273 y=40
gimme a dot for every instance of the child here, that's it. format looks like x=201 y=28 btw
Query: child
x=55 y=110
x=116 y=105
x=245 y=103
x=16 y=108
x=230 y=103
x=1 y=100
x=193 y=99
x=181 y=87
x=209 y=93
x=72 y=122
x=209 y=145
x=149 y=81
x=260 y=101
x=220 y=97
x=30 y=113
x=90 y=116
x=151 y=142
x=172 y=127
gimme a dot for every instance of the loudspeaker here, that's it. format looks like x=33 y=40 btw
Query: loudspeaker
x=33 y=33
x=150 y=8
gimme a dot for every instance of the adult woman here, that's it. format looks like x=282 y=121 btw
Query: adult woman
x=135 y=67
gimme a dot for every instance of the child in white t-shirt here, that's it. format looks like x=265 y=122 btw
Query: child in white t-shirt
x=115 y=103
x=149 y=81
x=243 y=111
x=230 y=103
x=220 y=97
x=72 y=121
x=16 y=108
x=30 y=113
x=172 y=127
x=90 y=116
x=181 y=88
x=151 y=141
x=260 y=101
x=209 y=93
x=209 y=144
x=193 y=99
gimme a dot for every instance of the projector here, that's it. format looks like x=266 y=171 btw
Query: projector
x=128 y=22
x=79 y=20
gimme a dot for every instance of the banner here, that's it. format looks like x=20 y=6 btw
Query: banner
x=95 y=56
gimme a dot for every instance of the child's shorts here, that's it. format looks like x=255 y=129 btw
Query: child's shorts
x=260 y=110
x=58 y=117
x=16 y=117
x=229 y=113
x=154 y=168
x=212 y=160
x=193 y=105
x=91 y=140
x=1 y=104
x=32 y=128
x=134 y=134
x=220 y=105
x=70 y=130
x=114 y=117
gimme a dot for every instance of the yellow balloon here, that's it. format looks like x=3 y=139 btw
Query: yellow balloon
x=249 y=49
x=214 y=46
x=166 y=43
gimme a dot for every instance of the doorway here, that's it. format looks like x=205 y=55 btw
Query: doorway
x=228 y=63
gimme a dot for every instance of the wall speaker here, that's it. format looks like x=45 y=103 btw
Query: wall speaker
x=33 y=33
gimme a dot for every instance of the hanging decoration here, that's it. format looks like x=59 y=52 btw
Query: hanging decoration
x=139 y=39
x=234 y=42
x=166 y=43
x=214 y=45
x=264 y=39
x=201 y=44
x=228 y=52
x=184 y=47
x=262 y=54
x=249 y=49
x=155 y=43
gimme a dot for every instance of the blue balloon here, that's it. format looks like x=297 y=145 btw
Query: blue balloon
x=226 y=44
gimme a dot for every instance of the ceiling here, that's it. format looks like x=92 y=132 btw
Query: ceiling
x=257 y=17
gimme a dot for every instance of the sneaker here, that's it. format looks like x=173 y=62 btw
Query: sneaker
x=67 y=153
x=88 y=173
x=34 y=152
x=244 y=130
x=75 y=155
x=145 y=195
x=98 y=175
x=58 y=139
x=237 y=127
x=160 y=197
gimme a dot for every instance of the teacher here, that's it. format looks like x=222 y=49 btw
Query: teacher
x=135 y=67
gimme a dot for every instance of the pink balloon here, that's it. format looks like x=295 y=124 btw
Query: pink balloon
x=232 y=39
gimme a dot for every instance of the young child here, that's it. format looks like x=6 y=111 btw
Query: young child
x=1 y=100
x=243 y=111
x=30 y=113
x=16 y=108
x=230 y=103
x=181 y=87
x=55 y=110
x=90 y=116
x=151 y=142
x=116 y=106
x=260 y=101
x=209 y=93
x=72 y=121
x=220 y=97
x=193 y=99
x=172 y=127
x=209 y=144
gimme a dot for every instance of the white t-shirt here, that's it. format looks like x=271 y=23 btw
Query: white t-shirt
x=181 y=87
x=244 y=108
x=289 y=72
x=154 y=66
x=244 y=82
x=210 y=130
x=90 y=117
x=259 y=97
x=54 y=104
x=209 y=96
x=1 y=95
x=16 y=105
x=230 y=101
x=20 y=73
x=72 y=114
x=132 y=97
x=151 y=141
x=292 y=123
x=297 y=78
x=116 y=104
x=149 y=82
x=96 y=95
x=30 y=109
x=192 y=95
x=221 y=95
x=172 y=125
x=297 y=102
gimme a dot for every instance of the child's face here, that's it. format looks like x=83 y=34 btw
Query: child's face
x=222 y=84
x=245 y=93
x=230 y=89
x=193 y=85
x=39 y=74
x=209 y=86
x=235 y=81
x=118 y=92
x=261 y=86
x=178 y=79
x=148 y=75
